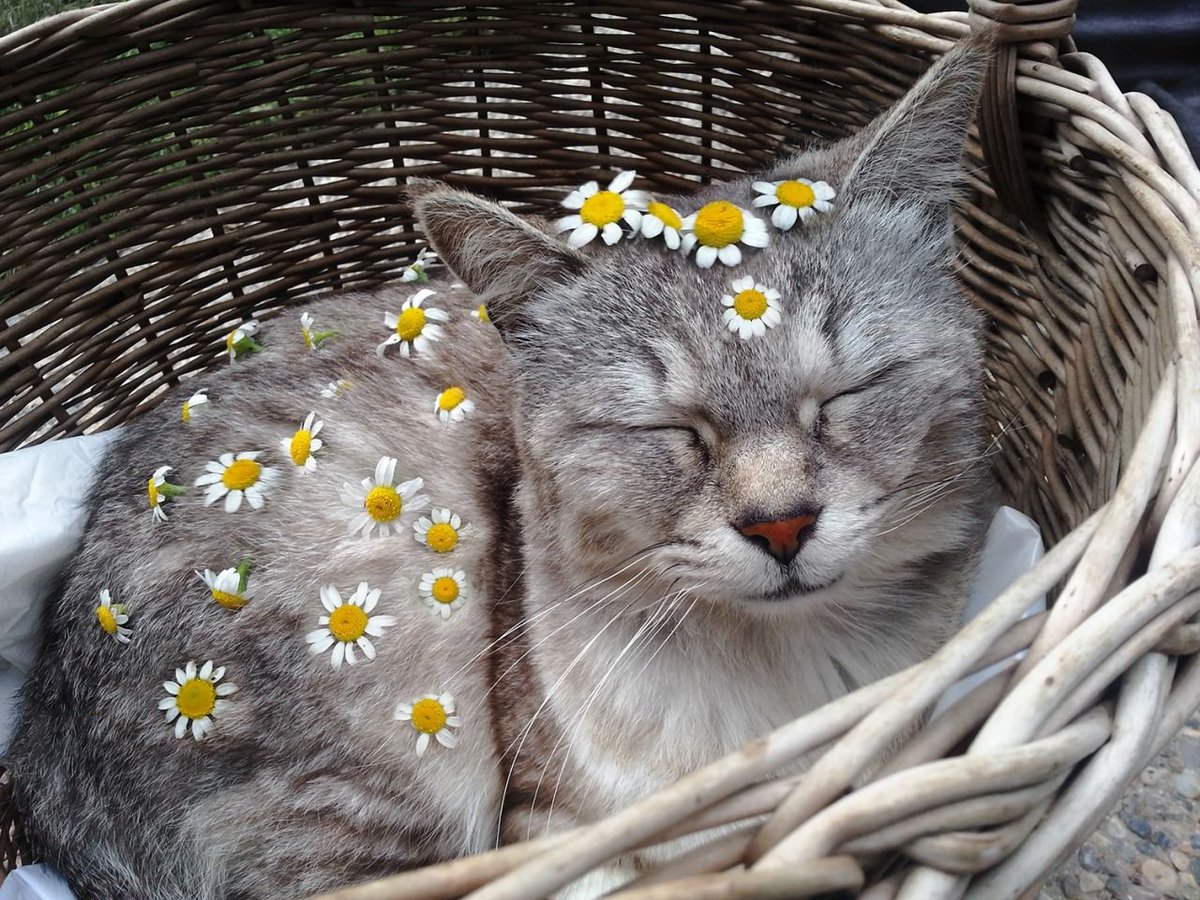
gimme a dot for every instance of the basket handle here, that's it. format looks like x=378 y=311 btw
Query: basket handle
x=1013 y=23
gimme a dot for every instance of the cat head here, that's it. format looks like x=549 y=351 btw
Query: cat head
x=829 y=449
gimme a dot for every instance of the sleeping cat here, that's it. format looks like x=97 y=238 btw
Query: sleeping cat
x=461 y=562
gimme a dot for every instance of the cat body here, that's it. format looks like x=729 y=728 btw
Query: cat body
x=623 y=619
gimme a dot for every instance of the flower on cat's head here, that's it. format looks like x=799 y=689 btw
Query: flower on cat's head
x=440 y=530
x=717 y=228
x=112 y=618
x=600 y=212
x=335 y=388
x=794 y=200
x=241 y=340
x=312 y=337
x=347 y=624
x=304 y=443
x=196 y=697
x=751 y=309
x=453 y=404
x=415 y=326
x=198 y=399
x=378 y=502
x=230 y=588
x=480 y=314
x=416 y=270
x=444 y=590
x=159 y=491
x=662 y=219
x=431 y=716
x=235 y=479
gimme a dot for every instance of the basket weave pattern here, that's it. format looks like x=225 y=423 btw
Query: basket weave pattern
x=168 y=169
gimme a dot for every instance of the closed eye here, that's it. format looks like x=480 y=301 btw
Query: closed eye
x=871 y=381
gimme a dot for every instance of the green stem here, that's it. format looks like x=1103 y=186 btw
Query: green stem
x=243 y=570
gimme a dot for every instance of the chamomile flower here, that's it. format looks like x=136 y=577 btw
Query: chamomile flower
x=794 y=200
x=302 y=446
x=241 y=340
x=662 y=219
x=112 y=618
x=444 y=590
x=717 y=228
x=416 y=271
x=230 y=588
x=235 y=478
x=480 y=314
x=347 y=624
x=335 y=388
x=159 y=491
x=191 y=405
x=196 y=698
x=453 y=404
x=415 y=327
x=751 y=309
x=601 y=211
x=440 y=530
x=313 y=337
x=431 y=716
x=378 y=502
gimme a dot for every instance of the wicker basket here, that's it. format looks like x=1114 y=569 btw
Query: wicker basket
x=168 y=167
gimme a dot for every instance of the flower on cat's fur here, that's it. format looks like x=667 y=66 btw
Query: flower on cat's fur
x=480 y=314
x=235 y=478
x=312 y=338
x=717 y=228
x=200 y=398
x=230 y=588
x=752 y=308
x=795 y=199
x=431 y=715
x=440 y=530
x=662 y=219
x=335 y=388
x=302 y=446
x=600 y=211
x=444 y=589
x=113 y=619
x=195 y=697
x=415 y=327
x=241 y=340
x=347 y=624
x=453 y=404
x=415 y=271
x=159 y=491
x=378 y=502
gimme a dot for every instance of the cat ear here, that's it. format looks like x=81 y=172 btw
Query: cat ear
x=495 y=253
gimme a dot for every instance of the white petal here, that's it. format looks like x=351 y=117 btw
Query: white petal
x=771 y=317
x=190 y=669
x=422 y=743
x=366 y=647
x=350 y=660
x=206 y=670
x=255 y=497
x=764 y=201
x=784 y=217
x=622 y=181
x=730 y=254
x=589 y=189
x=566 y=223
x=573 y=200
x=742 y=284
x=671 y=237
x=823 y=191
x=765 y=187
x=233 y=501
x=582 y=235
x=339 y=651
x=227 y=688
x=167 y=703
x=447 y=738
x=745 y=330
x=633 y=218
x=652 y=226
x=181 y=725
x=706 y=256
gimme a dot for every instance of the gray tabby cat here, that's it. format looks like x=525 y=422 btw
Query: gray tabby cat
x=662 y=540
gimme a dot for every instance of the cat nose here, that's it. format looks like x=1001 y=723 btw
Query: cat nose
x=782 y=538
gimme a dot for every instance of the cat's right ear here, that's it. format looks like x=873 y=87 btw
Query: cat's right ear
x=495 y=253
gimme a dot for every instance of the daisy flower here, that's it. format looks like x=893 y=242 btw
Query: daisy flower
x=662 y=219
x=159 y=491
x=312 y=339
x=113 y=619
x=229 y=587
x=200 y=398
x=235 y=478
x=717 y=228
x=480 y=314
x=415 y=327
x=794 y=199
x=334 y=388
x=303 y=445
x=600 y=211
x=379 y=501
x=241 y=340
x=431 y=715
x=415 y=271
x=444 y=590
x=196 y=697
x=751 y=309
x=453 y=405
x=347 y=624
x=441 y=532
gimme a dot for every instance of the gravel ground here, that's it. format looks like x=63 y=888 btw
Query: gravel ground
x=1149 y=848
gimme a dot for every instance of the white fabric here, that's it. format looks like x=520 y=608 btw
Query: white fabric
x=35 y=883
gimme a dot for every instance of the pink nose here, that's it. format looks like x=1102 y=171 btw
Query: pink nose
x=782 y=539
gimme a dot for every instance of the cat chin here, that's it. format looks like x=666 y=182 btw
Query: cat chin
x=794 y=597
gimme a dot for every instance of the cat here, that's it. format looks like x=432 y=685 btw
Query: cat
x=589 y=530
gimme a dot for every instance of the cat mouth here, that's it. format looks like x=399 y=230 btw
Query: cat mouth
x=795 y=587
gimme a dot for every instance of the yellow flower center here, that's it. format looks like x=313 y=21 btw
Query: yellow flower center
x=229 y=339
x=107 y=620
x=228 y=600
x=661 y=211
x=795 y=193
x=299 y=447
x=240 y=474
x=602 y=208
x=186 y=412
x=442 y=537
x=718 y=224
x=750 y=303
x=410 y=322
x=348 y=622
x=483 y=314
x=428 y=716
x=196 y=698
x=445 y=589
x=451 y=397
x=308 y=341
x=383 y=503
x=152 y=490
